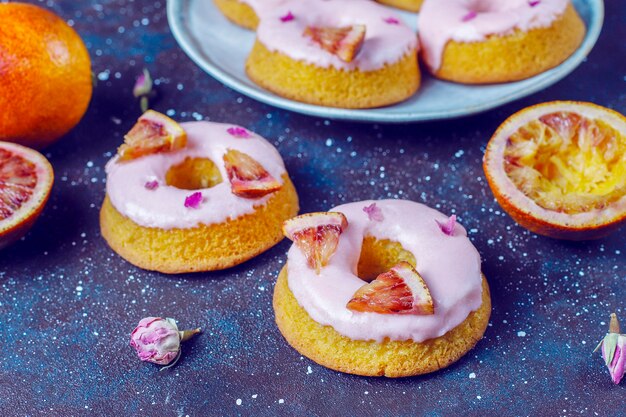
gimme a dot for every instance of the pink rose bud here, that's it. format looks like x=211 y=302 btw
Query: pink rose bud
x=613 y=346
x=143 y=85
x=158 y=340
x=143 y=89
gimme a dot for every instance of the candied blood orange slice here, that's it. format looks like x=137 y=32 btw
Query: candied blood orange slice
x=26 y=179
x=247 y=177
x=401 y=290
x=153 y=133
x=316 y=235
x=559 y=169
x=344 y=42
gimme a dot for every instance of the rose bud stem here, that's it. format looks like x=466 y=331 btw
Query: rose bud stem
x=614 y=324
x=188 y=334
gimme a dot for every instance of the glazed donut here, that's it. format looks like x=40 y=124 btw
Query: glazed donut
x=244 y=13
x=338 y=53
x=493 y=41
x=178 y=212
x=313 y=312
x=410 y=5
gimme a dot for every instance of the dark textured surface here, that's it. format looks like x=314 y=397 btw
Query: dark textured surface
x=68 y=303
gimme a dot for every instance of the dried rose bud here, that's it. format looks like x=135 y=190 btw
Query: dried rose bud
x=613 y=346
x=157 y=340
x=143 y=89
x=143 y=85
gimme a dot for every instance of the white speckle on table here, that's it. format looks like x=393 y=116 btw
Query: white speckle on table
x=309 y=370
x=472 y=375
x=521 y=333
x=238 y=402
x=281 y=401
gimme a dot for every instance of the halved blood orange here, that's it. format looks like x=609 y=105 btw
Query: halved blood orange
x=26 y=179
x=154 y=132
x=559 y=169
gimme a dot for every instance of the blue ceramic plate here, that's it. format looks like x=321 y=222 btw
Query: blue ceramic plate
x=220 y=48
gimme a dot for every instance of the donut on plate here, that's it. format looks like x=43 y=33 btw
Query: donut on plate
x=244 y=12
x=211 y=203
x=337 y=53
x=410 y=5
x=494 y=41
x=387 y=288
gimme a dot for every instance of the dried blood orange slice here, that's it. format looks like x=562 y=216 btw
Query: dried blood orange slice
x=401 y=290
x=153 y=133
x=247 y=177
x=559 y=169
x=317 y=235
x=344 y=42
x=26 y=178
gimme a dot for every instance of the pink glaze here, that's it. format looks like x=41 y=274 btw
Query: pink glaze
x=441 y=21
x=385 y=43
x=164 y=206
x=450 y=266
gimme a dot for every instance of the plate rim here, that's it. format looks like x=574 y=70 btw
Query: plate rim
x=176 y=24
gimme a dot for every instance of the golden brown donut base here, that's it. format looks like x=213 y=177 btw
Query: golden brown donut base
x=301 y=81
x=513 y=57
x=393 y=359
x=239 y=13
x=410 y=5
x=203 y=248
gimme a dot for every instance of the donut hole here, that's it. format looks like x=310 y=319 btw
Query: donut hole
x=380 y=255
x=194 y=174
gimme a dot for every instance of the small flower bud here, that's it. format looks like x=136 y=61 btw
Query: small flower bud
x=143 y=85
x=157 y=340
x=613 y=346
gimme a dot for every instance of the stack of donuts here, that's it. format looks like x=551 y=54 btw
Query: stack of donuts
x=361 y=54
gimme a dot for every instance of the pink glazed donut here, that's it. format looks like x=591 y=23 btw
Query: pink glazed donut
x=491 y=41
x=245 y=13
x=337 y=53
x=312 y=309
x=188 y=210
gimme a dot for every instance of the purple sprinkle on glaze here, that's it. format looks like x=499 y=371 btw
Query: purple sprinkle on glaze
x=447 y=227
x=533 y=3
x=287 y=18
x=193 y=200
x=152 y=185
x=469 y=16
x=392 y=21
x=238 y=132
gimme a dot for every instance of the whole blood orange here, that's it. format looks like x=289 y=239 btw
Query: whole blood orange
x=45 y=75
x=559 y=169
x=26 y=178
